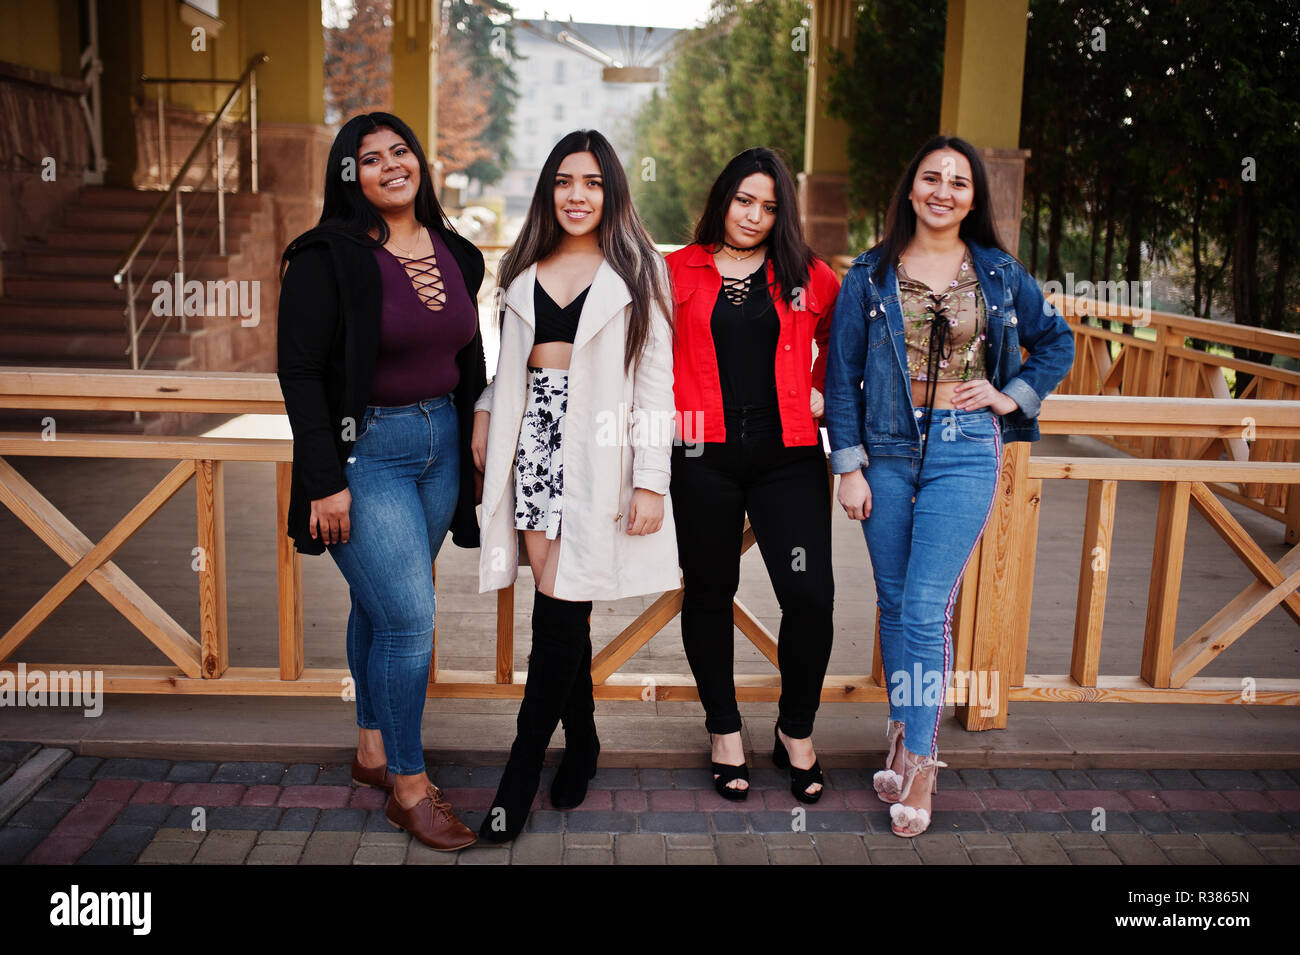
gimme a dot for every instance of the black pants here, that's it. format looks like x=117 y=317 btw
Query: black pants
x=787 y=496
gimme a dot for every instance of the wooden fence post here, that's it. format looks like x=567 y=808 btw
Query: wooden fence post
x=1166 y=579
x=999 y=600
x=288 y=564
x=210 y=498
x=1094 y=572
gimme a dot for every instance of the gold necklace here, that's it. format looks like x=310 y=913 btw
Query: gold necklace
x=739 y=258
x=405 y=253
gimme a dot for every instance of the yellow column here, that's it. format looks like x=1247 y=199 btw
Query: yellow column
x=293 y=141
x=41 y=34
x=415 y=74
x=823 y=184
x=291 y=87
x=983 y=75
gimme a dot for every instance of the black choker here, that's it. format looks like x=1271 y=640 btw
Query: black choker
x=727 y=248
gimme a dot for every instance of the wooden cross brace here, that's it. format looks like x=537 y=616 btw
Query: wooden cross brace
x=93 y=564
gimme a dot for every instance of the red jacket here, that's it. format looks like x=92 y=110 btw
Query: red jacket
x=696 y=385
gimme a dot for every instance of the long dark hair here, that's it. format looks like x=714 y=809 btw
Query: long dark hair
x=623 y=239
x=346 y=210
x=792 y=259
x=900 y=221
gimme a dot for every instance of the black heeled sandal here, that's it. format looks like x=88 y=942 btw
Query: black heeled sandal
x=800 y=779
x=725 y=773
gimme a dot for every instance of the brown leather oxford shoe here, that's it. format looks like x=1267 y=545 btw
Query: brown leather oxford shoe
x=431 y=821
x=379 y=776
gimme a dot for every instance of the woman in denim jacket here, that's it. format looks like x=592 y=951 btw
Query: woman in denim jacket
x=925 y=386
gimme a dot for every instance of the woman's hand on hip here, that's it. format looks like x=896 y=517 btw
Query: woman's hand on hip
x=818 y=404
x=855 y=495
x=478 y=439
x=330 y=515
x=980 y=393
x=645 y=514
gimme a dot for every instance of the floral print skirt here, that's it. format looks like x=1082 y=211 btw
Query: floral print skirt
x=539 y=470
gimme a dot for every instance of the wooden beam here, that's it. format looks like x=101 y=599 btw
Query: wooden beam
x=1094 y=572
x=758 y=634
x=261 y=388
x=1142 y=469
x=159 y=447
x=433 y=656
x=1181 y=326
x=1242 y=544
x=75 y=549
x=1291 y=515
x=1107 y=415
x=1166 y=579
x=288 y=567
x=998 y=598
x=636 y=635
x=1133 y=689
x=210 y=500
x=323 y=682
x=505 y=635
x=1233 y=494
x=1242 y=612
x=1026 y=560
x=878 y=661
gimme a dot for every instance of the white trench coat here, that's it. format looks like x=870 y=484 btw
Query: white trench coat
x=618 y=435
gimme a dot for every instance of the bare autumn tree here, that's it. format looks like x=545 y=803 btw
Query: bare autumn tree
x=359 y=78
x=462 y=110
x=358 y=62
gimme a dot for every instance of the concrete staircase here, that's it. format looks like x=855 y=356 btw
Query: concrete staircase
x=61 y=308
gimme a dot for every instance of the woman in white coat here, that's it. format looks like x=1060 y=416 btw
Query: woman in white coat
x=578 y=451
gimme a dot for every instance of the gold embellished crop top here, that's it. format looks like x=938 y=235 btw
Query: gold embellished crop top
x=952 y=322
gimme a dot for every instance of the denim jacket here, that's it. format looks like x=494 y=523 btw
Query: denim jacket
x=868 y=391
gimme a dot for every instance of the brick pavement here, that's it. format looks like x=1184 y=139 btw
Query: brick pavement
x=154 y=811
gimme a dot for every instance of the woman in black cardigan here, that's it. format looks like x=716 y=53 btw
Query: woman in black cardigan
x=380 y=363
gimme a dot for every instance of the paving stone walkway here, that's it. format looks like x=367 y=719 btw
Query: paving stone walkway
x=123 y=811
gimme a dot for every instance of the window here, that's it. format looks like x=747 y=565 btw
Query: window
x=530 y=125
x=559 y=72
x=559 y=112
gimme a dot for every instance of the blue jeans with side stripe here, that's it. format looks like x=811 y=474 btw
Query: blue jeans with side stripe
x=404 y=479
x=925 y=521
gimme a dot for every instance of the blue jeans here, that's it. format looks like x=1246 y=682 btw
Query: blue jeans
x=404 y=478
x=925 y=521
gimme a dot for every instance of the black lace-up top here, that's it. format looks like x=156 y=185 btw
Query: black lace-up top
x=745 y=329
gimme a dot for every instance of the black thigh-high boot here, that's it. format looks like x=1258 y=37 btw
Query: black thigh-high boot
x=581 y=745
x=553 y=664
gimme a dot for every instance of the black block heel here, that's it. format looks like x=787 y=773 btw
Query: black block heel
x=800 y=779
x=726 y=774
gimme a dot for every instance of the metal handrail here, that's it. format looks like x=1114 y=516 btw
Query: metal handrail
x=139 y=328
x=173 y=194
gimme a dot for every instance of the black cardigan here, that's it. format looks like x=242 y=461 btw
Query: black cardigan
x=328 y=340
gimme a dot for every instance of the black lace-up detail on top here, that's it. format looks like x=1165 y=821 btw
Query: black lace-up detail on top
x=426 y=279
x=737 y=290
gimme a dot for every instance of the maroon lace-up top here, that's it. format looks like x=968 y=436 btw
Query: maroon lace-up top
x=426 y=318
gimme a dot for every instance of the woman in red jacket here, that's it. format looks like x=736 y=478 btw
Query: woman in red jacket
x=751 y=298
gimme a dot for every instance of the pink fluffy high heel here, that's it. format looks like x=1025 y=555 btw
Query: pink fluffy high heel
x=909 y=821
x=887 y=783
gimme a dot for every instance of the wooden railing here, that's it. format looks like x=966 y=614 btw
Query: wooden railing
x=991 y=623
x=1158 y=363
